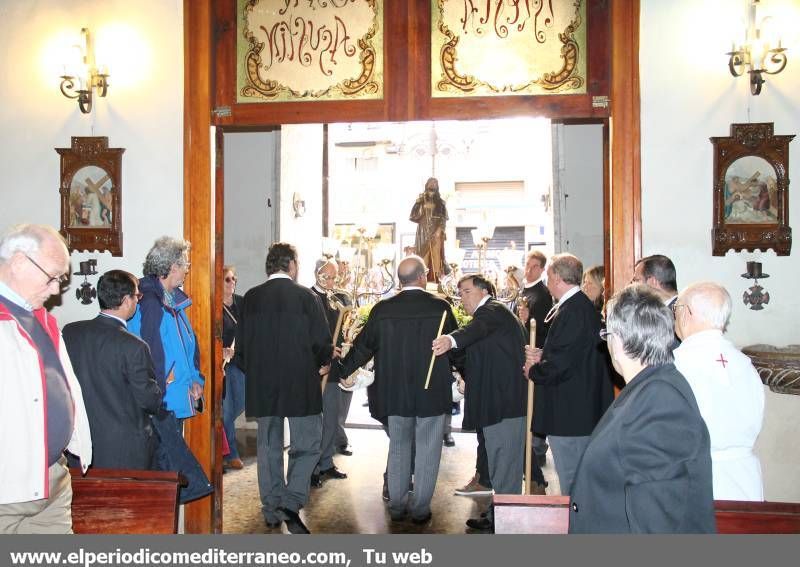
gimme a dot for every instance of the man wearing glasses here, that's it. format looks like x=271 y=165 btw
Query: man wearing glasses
x=116 y=372
x=41 y=406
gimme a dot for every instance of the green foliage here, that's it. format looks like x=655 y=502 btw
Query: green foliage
x=461 y=315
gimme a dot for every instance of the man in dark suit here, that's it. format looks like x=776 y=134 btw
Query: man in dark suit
x=332 y=403
x=116 y=374
x=535 y=303
x=398 y=335
x=647 y=468
x=496 y=391
x=282 y=344
x=573 y=388
x=658 y=272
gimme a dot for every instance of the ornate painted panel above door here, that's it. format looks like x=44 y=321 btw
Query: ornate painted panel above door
x=288 y=50
x=508 y=47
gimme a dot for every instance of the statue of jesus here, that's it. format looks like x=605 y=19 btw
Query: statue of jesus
x=430 y=214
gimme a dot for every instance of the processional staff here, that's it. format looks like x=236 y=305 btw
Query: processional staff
x=528 y=435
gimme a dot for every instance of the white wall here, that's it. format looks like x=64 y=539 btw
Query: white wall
x=251 y=203
x=301 y=172
x=142 y=113
x=579 y=173
x=687 y=96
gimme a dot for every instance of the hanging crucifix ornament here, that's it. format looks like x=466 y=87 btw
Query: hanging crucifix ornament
x=755 y=296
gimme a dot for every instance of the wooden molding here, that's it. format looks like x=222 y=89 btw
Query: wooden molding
x=203 y=515
x=625 y=156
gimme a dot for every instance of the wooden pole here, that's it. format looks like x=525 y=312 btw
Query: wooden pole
x=529 y=420
x=433 y=356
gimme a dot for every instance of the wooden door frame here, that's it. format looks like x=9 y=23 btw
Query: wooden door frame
x=203 y=211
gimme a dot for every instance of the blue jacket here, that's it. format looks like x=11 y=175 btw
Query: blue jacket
x=173 y=344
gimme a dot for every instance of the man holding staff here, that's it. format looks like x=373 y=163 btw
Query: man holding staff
x=411 y=388
x=493 y=344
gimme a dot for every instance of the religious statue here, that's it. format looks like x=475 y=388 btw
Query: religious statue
x=430 y=214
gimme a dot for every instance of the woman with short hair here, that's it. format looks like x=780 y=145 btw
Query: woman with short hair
x=647 y=468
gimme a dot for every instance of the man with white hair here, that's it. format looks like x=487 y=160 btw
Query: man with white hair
x=41 y=406
x=728 y=389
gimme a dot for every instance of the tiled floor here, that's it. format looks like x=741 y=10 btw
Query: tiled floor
x=354 y=504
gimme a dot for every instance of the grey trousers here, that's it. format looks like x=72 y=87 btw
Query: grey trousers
x=567 y=453
x=426 y=433
x=292 y=491
x=330 y=423
x=505 y=449
x=344 y=408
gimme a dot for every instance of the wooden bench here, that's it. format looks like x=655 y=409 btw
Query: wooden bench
x=515 y=514
x=116 y=501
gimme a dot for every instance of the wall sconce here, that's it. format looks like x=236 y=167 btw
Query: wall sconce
x=755 y=296
x=86 y=292
x=81 y=76
x=755 y=55
x=298 y=205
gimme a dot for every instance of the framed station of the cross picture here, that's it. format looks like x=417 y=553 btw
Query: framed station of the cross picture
x=91 y=195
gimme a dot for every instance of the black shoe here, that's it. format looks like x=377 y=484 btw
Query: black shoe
x=316 y=481
x=483 y=524
x=449 y=441
x=332 y=472
x=343 y=450
x=423 y=520
x=385 y=493
x=293 y=522
x=272 y=525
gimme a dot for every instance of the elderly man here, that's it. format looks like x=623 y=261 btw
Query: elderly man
x=282 y=343
x=727 y=387
x=658 y=272
x=334 y=399
x=116 y=372
x=495 y=391
x=41 y=406
x=573 y=387
x=398 y=335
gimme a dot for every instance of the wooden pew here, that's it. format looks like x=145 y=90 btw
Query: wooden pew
x=515 y=514
x=116 y=501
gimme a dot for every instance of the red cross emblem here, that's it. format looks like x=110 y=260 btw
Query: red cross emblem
x=721 y=360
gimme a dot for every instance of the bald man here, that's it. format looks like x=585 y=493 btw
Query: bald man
x=727 y=387
x=41 y=407
x=398 y=335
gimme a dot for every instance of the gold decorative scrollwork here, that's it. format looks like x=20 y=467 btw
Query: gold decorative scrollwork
x=564 y=79
x=366 y=83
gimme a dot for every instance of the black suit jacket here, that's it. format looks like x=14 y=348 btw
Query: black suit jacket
x=647 y=468
x=332 y=316
x=282 y=340
x=399 y=333
x=573 y=388
x=493 y=344
x=539 y=304
x=119 y=387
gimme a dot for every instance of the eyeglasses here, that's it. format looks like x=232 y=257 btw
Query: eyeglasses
x=675 y=306
x=62 y=279
x=604 y=334
x=231 y=279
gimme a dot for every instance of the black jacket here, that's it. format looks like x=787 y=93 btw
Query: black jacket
x=573 y=388
x=647 y=468
x=493 y=345
x=399 y=334
x=539 y=303
x=282 y=340
x=332 y=316
x=119 y=388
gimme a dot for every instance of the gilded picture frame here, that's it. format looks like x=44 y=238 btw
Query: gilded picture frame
x=91 y=195
x=751 y=190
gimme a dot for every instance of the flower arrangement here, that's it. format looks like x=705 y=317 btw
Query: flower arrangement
x=462 y=318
